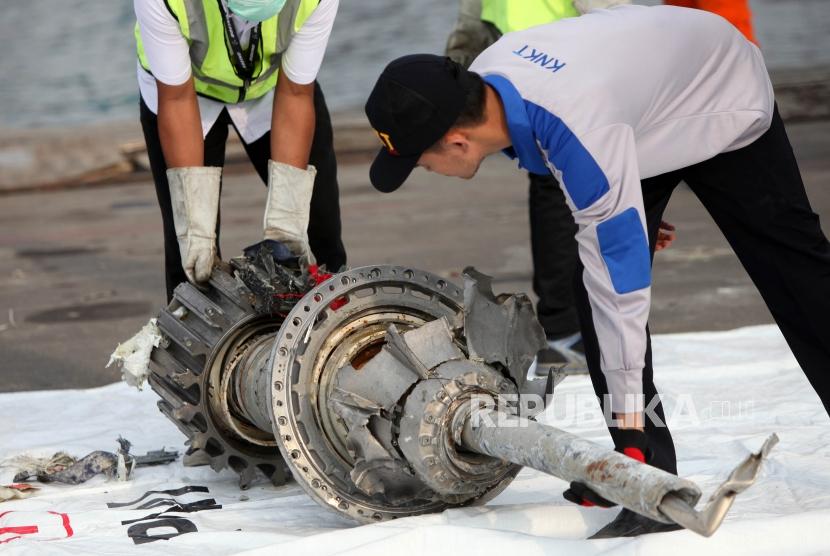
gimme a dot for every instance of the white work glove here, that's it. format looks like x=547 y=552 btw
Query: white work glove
x=288 y=207
x=585 y=6
x=194 y=193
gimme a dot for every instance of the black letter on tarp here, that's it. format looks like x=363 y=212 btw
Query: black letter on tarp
x=172 y=492
x=209 y=504
x=140 y=527
x=138 y=532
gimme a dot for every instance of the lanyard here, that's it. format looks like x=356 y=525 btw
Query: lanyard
x=243 y=62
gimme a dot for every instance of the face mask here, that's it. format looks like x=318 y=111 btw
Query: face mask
x=256 y=10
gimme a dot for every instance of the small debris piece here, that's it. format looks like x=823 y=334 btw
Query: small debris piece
x=63 y=468
x=92 y=464
x=134 y=354
x=156 y=457
x=276 y=277
x=16 y=490
x=31 y=467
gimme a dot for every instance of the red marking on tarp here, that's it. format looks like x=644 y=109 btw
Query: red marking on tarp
x=21 y=530
x=66 y=525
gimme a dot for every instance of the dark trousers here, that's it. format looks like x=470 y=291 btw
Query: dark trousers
x=324 y=229
x=555 y=257
x=757 y=199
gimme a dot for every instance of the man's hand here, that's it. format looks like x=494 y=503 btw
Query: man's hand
x=581 y=495
x=630 y=420
x=665 y=236
x=290 y=177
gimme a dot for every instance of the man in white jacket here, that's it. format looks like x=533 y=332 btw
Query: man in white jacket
x=206 y=64
x=620 y=105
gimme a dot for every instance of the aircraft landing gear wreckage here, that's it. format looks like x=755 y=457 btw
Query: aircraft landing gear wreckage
x=384 y=392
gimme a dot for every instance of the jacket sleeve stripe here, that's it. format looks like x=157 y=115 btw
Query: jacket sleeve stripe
x=582 y=177
x=624 y=248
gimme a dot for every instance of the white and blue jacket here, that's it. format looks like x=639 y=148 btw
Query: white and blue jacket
x=604 y=100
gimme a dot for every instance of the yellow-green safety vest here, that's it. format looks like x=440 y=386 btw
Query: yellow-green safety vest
x=516 y=15
x=213 y=70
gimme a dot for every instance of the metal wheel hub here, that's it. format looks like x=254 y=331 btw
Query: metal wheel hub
x=313 y=345
x=428 y=434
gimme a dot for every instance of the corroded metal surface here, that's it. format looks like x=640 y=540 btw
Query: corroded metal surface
x=610 y=474
x=644 y=489
x=388 y=392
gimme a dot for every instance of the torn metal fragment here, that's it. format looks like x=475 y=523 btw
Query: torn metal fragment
x=501 y=329
x=378 y=469
x=381 y=381
x=432 y=344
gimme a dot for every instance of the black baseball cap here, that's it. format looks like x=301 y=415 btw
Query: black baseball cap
x=415 y=102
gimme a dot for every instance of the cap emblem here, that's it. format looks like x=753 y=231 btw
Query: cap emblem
x=387 y=142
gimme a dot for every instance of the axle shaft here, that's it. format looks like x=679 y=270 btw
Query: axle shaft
x=642 y=488
x=610 y=474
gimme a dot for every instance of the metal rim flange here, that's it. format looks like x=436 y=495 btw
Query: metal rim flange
x=331 y=326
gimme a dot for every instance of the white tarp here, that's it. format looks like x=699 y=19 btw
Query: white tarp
x=724 y=392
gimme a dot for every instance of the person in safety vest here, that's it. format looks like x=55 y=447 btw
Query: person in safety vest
x=206 y=64
x=621 y=105
x=553 y=248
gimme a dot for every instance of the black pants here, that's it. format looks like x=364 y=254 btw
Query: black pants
x=757 y=199
x=554 y=252
x=324 y=229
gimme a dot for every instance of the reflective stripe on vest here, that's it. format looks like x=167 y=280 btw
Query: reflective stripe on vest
x=213 y=71
x=513 y=15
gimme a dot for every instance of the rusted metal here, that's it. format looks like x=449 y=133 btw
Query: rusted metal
x=610 y=474
x=388 y=391
x=644 y=489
